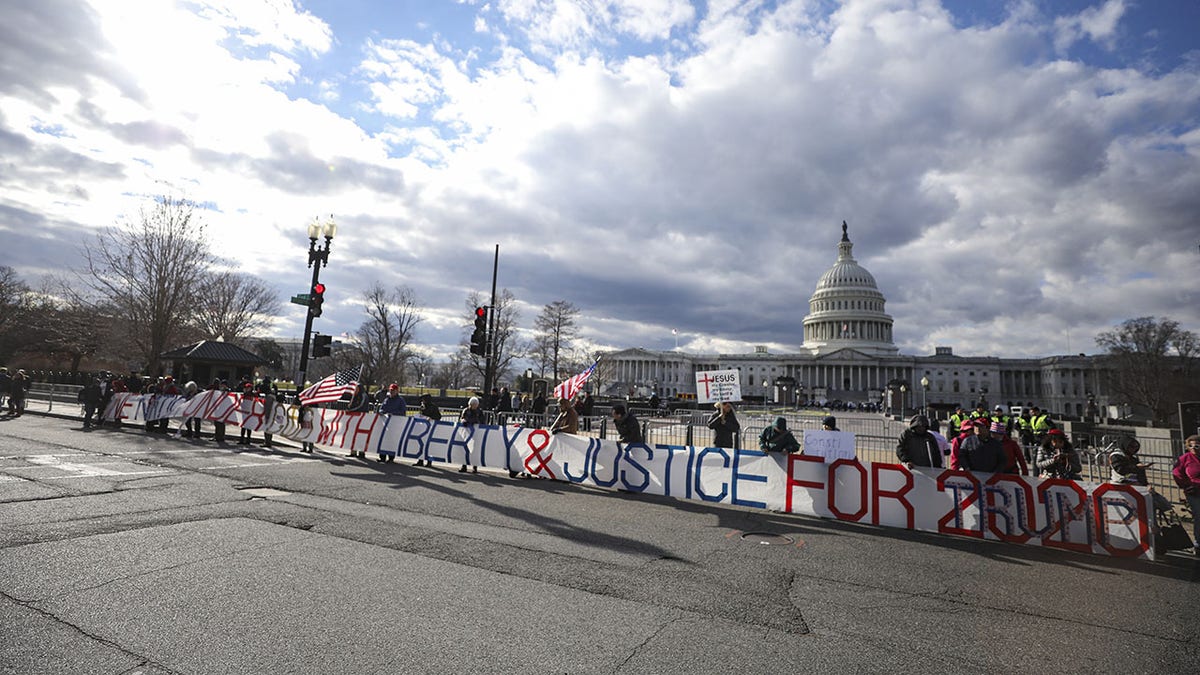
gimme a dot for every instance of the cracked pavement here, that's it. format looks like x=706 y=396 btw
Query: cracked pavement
x=124 y=552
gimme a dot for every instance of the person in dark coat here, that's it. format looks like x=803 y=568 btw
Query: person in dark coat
x=724 y=424
x=778 y=438
x=17 y=387
x=218 y=427
x=626 y=424
x=432 y=412
x=916 y=446
x=90 y=396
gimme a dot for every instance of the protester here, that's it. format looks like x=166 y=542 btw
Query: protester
x=981 y=452
x=626 y=424
x=17 y=387
x=266 y=390
x=1127 y=470
x=916 y=446
x=1187 y=476
x=307 y=414
x=429 y=410
x=470 y=416
x=191 y=424
x=829 y=423
x=245 y=435
x=5 y=384
x=586 y=407
x=724 y=424
x=1056 y=458
x=539 y=404
x=90 y=397
x=360 y=402
x=943 y=443
x=218 y=425
x=777 y=438
x=1014 y=457
x=393 y=404
x=567 y=421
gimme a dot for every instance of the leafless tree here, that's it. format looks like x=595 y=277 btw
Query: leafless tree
x=384 y=338
x=555 y=328
x=232 y=306
x=1151 y=362
x=452 y=374
x=14 y=303
x=147 y=271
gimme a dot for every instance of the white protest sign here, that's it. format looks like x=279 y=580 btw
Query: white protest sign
x=832 y=445
x=718 y=385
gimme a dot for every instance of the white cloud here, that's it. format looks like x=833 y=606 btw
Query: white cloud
x=658 y=168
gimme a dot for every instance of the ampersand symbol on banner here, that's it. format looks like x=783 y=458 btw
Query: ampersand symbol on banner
x=536 y=453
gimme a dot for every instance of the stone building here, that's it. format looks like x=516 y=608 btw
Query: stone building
x=848 y=355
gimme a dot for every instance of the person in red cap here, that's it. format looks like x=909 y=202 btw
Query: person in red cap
x=393 y=404
x=1012 y=450
x=966 y=428
x=1056 y=458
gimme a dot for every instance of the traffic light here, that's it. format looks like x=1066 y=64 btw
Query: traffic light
x=479 y=337
x=321 y=345
x=316 y=299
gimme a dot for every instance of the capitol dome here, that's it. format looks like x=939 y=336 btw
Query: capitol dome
x=846 y=310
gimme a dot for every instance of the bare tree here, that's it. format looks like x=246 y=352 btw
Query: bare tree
x=14 y=305
x=555 y=329
x=1151 y=362
x=233 y=306
x=147 y=271
x=384 y=338
x=504 y=333
x=452 y=374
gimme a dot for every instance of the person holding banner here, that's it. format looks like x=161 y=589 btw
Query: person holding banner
x=916 y=446
x=777 y=438
x=567 y=421
x=628 y=428
x=430 y=411
x=724 y=425
x=1057 y=459
x=218 y=425
x=471 y=416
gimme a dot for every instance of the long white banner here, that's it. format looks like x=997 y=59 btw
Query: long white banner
x=1105 y=519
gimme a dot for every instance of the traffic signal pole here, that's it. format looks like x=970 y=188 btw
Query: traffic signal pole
x=317 y=256
x=308 y=326
x=490 y=364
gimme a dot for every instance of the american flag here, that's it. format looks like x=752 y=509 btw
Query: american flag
x=571 y=386
x=332 y=387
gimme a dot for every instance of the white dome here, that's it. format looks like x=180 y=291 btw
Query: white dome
x=846 y=309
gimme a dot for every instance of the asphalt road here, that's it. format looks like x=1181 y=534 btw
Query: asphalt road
x=126 y=552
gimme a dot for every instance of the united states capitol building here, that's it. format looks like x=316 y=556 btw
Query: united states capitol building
x=848 y=355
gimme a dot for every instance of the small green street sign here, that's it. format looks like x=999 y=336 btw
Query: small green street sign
x=300 y=299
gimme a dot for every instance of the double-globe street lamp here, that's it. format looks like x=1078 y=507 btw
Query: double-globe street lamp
x=925 y=395
x=317 y=256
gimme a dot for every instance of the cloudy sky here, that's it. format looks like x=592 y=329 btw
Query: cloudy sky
x=1018 y=175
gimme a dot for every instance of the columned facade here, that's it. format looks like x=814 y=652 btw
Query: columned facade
x=848 y=354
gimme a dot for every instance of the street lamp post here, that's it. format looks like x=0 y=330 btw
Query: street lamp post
x=903 y=389
x=317 y=256
x=529 y=380
x=925 y=395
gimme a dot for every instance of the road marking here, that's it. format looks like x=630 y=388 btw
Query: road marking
x=112 y=475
